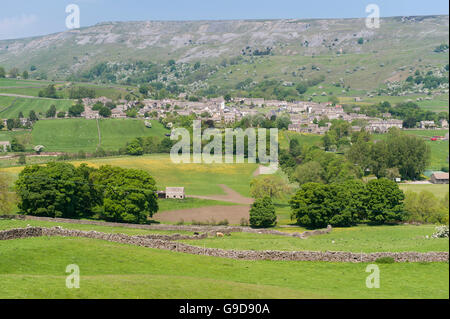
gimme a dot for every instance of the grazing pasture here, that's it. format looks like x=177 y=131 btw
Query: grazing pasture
x=35 y=268
x=363 y=238
x=73 y=135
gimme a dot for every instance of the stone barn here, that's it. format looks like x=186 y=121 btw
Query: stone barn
x=175 y=192
x=439 y=178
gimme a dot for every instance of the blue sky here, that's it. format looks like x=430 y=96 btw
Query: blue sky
x=22 y=18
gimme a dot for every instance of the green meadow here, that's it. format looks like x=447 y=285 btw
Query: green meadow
x=73 y=135
x=35 y=268
x=362 y=238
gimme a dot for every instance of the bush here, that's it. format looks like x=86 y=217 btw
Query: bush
x=262 y=213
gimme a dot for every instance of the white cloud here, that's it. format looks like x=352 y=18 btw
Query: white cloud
x=12 y=27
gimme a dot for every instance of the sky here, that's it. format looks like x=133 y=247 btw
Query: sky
x=25 y=18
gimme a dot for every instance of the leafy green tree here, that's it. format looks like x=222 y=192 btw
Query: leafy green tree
x=51 y=113
x=424 y=207
x=268 y=185
x=33 y=117
x=310 y=172
x=262 y=213
x=7 y=198
x=128 y=195
x=61 y=115
x=105 y=112
x=76 y=109
x=16 y=146
x=307 y=205
x=22 y=160
x=302 y=88
x=56 y=190
x=25 y=75
x=135 y=148
x=2 y=73
x=384 y=201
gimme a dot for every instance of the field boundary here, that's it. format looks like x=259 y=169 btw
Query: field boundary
x=192 y=228
x=328 y=256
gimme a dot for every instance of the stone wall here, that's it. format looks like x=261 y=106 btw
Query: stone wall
x=144 y=241
x=211 y=230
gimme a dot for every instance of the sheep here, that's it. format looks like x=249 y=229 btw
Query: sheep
x=220 y=235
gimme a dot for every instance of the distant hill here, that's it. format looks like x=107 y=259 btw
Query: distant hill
x=287 y=49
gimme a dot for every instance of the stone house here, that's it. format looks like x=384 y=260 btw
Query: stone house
x=439 y=178
x=175 y=192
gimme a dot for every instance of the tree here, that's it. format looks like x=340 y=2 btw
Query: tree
x=384 y=201
x=104 y=111
x=56 y=190
x=307 y=205
x=262 y=213
x=7 y=198
x=128 y=195
x=302 y=88
x=16 y=146
x=76 y=109
x=51 y=113
x=360 y=41
x=2 y=73
x=310 y=172
x=134 y=148
x=33 y=117
x=49 y=92
x=22 y=160
x=424 y=207
x=61 y=115
x=268 y=185
x=25 y=75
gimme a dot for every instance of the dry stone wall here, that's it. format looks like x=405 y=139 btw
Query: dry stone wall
x=159 y=243
x=211 y=230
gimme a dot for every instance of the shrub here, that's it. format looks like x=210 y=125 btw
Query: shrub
x=262 y=213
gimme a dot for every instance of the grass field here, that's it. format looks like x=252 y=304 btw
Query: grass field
x=356 y=239
x=198 y=179
x=24 y=105
x=35 y=268
x=438 y=190
x=73 y=135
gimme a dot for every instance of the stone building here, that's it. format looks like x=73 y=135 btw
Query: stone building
x=175 y=192
x=439 y=178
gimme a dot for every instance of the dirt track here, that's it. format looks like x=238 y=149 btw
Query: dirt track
x=231 y=196
x=233 y=214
